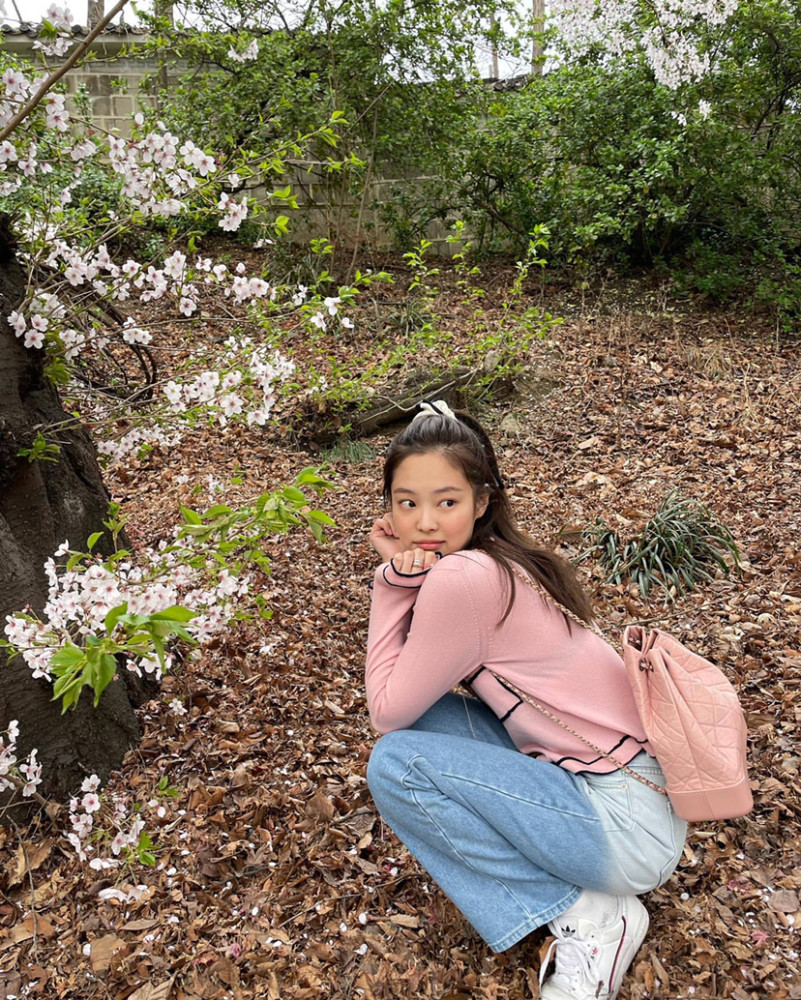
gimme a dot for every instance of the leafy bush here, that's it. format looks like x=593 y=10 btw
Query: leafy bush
x=703 y=180
x=681 y=545
x=402 y=76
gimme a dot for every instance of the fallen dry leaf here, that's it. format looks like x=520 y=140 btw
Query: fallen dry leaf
x=102 y=951
x=29 y=856
x=784 y=901
x=320 y=806
x=34 y=925
x=148 y=992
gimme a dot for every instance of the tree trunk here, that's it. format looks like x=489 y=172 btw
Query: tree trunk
x=42 y=503
x=538 y=16
x=95 y=12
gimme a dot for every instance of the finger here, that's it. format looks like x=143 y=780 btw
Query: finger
x=418 y=560
x=385 y=526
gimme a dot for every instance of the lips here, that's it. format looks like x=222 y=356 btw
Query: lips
x=429 y=546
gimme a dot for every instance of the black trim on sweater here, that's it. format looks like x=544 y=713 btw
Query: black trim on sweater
x=595 y=760
x=514 y=708
x=406 y=576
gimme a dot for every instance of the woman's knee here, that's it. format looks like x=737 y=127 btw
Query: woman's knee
x=388 y=762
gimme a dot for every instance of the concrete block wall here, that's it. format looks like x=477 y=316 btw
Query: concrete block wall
x=116 y=83
x=327 y=207
x=116 y=90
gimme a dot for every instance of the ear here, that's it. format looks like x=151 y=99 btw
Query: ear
x=482 y=502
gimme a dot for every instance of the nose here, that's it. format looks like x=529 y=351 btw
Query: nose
x=426 y=518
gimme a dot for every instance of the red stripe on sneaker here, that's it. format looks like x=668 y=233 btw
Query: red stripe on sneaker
x=609 y=988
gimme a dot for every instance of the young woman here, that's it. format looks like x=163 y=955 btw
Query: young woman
x=517 y=820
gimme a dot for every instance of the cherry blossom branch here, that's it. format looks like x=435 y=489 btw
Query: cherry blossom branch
x=51 y=808
x=65 y=67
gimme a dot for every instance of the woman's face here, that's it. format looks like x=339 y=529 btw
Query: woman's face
x=432 y=504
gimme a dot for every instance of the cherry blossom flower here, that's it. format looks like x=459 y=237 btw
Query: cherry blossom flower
x=90 y=784
x=250 y=53
x=32 y=772
x=15 y=82
x=673 y=56
x=231 y=405
x=34 y=338
x=17 y=322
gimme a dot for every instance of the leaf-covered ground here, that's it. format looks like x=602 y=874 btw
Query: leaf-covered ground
x=275 y=877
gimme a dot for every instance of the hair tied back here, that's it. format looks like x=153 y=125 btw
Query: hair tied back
x=437 y=408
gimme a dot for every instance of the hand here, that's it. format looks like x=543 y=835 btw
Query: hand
x=383 y=538
x=414 y=561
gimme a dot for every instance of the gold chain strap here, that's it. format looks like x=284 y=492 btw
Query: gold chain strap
x=529 y=581
x=591 y=626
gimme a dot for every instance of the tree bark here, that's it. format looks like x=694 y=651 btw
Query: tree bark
x=538 y=16
x=95 y=12
x=42 y=503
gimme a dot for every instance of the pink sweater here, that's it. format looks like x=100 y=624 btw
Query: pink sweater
x=432 y=630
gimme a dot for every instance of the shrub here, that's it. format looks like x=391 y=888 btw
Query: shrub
x=680 y=546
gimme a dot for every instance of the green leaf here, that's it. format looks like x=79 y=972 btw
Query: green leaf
x=93 y=539
x=294 y=494
x=191 y=516
x=114 y=616
x=175 y=613
x=323 y=518
x=217 y=510
x=104 y=674
x=68 y=656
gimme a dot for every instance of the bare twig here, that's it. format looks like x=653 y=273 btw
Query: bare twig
x=51 y=808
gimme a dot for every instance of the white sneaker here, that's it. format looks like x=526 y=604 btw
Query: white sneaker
x=594 y=947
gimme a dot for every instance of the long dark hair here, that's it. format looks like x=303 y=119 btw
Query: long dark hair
x=465 y=444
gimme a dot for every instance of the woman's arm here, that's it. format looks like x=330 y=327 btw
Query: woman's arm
x=426 y=634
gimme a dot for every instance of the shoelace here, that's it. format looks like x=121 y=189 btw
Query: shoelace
x=573 y=960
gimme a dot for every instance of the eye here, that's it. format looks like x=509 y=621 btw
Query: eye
x=448 y=503
x=406 y=504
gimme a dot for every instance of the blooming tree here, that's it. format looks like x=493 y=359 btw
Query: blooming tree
x=666 y=31
x=87 y=614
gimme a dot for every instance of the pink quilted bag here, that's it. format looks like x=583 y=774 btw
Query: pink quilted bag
x=694 y=723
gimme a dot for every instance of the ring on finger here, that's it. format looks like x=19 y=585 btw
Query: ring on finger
x=417 y=562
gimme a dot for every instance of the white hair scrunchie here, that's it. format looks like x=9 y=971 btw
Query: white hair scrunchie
x=438 y=408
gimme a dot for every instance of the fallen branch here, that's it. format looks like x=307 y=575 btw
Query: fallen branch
x=419 y=388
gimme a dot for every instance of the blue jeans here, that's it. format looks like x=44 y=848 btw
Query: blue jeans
x=513 y=840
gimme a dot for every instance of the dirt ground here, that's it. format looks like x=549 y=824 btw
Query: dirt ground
x=275 y=877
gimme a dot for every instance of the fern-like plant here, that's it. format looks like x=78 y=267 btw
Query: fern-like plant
x=683 y=544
